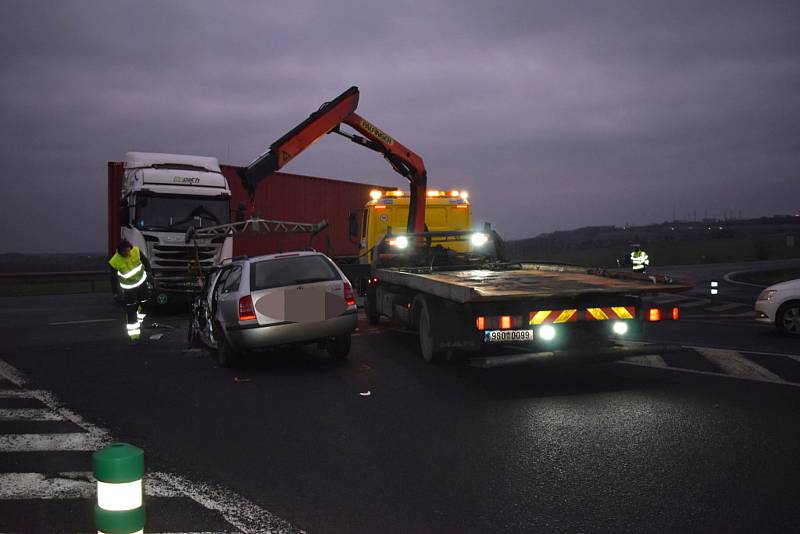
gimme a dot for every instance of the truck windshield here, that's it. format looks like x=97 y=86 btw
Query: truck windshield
x=179 y=213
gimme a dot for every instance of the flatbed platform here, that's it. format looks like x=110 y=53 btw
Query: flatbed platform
x=529 y=281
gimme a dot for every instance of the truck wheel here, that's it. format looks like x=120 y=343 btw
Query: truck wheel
x=787 y=320
x=371 y=307
x=426 y=337
x=339 y=347
x=225 y=355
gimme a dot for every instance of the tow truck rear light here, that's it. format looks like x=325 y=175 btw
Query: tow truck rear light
x=375 y=194
x=654 y=315
x=380 y=206
x=676 y=313
x=480 y=323
x=246 y=310
x=349 y=296
x=462 y=206
x=505 y=322
x=455 y=193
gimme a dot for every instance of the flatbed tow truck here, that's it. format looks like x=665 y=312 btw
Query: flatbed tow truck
x=468 y=300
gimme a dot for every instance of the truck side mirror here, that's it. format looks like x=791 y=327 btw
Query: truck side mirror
x=353 y=228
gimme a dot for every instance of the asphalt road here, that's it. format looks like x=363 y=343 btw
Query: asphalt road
x=683 y=442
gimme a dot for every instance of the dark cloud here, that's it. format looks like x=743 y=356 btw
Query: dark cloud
x=554 y=115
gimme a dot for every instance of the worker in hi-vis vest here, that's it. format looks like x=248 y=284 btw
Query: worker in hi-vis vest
x=131 y=276
x=639 y=259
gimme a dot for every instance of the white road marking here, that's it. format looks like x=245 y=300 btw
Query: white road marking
x=696 y=303
x=236 y=510
x=87 y=321
x=735 y=364
x=667 y=300
x=239 y=512
x=726 y=307
x=28 y=414
x=717 y=374
x=649 y=360
x=729 y=278
x=69 y=441
x=69 y=485
x=16 y=394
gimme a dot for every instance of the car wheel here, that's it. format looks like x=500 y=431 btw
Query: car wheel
x=225 y=355
x=339 y=347
x=426 y=337
x=788 y=318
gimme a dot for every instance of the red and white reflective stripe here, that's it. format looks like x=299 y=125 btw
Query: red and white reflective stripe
x=131 y=272
x=135 y=284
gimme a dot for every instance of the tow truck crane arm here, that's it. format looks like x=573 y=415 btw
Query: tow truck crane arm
x=328 y=119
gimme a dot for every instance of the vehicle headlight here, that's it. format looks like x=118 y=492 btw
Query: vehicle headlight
x=620 y=328
x=401 y=241
x=479 y=239
x=547 y=332
x=767 y=294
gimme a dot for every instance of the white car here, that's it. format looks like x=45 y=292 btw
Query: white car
x=780 y=305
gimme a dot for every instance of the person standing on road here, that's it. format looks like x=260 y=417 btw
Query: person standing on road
x=639 y=259
x=131 y=276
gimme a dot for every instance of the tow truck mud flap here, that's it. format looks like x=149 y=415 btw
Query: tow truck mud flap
x=570 y=356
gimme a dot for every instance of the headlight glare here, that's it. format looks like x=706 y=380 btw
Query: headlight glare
x=479 y=239
x=401 y=241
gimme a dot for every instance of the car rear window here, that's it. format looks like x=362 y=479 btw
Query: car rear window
x=291 y=271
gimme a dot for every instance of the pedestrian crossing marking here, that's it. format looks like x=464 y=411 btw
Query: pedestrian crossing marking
x=28 y=414
x=649 y=360
x=238 y=512
x=69 y=485
x=735 y=364
x=71 y=441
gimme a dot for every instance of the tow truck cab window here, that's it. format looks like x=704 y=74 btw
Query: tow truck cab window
x=291 y=271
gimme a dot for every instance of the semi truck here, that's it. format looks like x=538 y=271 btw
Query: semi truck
x=153 y=199
x=454 y=285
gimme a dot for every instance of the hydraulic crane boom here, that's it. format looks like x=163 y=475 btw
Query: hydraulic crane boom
x=328 y=119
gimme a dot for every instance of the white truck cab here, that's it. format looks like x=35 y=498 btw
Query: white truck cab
x=162 y=196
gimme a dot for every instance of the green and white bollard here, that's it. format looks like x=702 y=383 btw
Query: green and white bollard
x=119 y=469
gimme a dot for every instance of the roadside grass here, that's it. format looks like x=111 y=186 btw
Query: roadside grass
x=30 y=289
x=768 y=278
x=669 y=252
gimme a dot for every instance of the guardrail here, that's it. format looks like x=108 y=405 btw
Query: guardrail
x=54 y=283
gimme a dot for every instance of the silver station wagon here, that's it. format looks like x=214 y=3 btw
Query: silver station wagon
x=277 y=299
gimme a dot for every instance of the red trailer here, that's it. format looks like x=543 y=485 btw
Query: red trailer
x=294 y=197
x=281 y=196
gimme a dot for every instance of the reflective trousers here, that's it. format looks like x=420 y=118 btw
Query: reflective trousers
x=134 y=315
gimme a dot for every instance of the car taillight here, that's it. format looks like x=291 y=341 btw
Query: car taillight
x=654 y=315
x=505 y=322
x=246 y=310
x=349 y=296
x=676 y=313
x=480 y=323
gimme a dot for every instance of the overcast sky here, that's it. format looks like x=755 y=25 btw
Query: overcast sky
x=554 y=115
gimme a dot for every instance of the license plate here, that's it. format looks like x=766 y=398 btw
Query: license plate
x=498 y=336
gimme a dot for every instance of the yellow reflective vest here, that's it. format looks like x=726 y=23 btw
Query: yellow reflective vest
x=130 y=270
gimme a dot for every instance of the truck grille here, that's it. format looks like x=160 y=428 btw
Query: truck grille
x=176 y=268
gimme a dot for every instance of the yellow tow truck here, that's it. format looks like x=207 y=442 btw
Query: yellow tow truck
x=388 y=211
